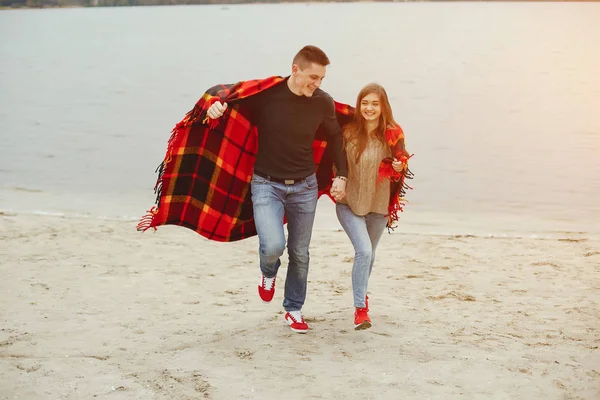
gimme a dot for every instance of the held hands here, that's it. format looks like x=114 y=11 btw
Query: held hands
x=338 y=188
x=216 y=110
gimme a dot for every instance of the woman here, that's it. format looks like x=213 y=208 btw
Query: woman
x=377 y=166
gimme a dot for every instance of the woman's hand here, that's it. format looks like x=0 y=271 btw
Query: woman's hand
x=338 y=188
x=398 y=165
x=337 y=196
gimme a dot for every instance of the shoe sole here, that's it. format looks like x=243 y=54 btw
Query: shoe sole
x=294 y=329
x=298 y=330
x=363 y=325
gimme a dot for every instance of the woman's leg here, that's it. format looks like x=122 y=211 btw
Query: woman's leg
x=356 y=229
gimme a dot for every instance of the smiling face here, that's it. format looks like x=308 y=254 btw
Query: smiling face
x=370 y=107
x=307 y=80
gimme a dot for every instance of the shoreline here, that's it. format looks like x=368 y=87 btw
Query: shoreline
x=412 y=222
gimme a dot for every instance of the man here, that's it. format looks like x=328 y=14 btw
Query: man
x=287 y=117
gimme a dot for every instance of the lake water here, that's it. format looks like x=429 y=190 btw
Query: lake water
x=500 y=102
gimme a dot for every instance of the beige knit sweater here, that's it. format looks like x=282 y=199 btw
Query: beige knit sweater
x=363 y=193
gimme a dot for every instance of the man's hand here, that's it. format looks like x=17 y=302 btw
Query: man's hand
x=216 y=110
x=338 y=188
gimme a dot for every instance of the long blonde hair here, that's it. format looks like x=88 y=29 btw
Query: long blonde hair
x=356 y=131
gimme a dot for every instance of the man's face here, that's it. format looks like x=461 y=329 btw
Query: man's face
x=308 y=79
x=370 y=107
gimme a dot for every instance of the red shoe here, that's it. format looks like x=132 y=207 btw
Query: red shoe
x=266 y=289
x=367 y=302
x=361 y=319
x=296 y=321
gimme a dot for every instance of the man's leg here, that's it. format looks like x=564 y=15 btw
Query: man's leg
x=300 y=208
x=268 y=203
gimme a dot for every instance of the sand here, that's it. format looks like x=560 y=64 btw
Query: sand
x=93 y=309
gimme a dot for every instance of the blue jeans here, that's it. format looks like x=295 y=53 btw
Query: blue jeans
x=298 y=202
x=364 y=233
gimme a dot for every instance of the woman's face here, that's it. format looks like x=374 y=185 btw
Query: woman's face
x=370 y=107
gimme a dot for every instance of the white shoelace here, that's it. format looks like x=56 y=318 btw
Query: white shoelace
x=297 y=315
x=268 y=283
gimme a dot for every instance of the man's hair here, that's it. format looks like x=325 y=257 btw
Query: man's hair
x=310 y=54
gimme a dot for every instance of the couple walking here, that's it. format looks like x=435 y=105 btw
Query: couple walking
x=263 y=153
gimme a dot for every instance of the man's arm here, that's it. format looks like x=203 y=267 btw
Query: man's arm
x=335 y=144
x=253 y=103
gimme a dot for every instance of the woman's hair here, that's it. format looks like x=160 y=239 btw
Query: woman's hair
x=356 y=131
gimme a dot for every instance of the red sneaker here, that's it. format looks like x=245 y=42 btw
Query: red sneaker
x=361 y=319
x=266 y=289
x=296 y=321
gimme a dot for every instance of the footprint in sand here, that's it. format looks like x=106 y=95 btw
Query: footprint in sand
x=244 y=354
x=12 y=339
x=572 y=240
x=168 y=384
x=544 y=263
x=456 y=295
x=31 y=369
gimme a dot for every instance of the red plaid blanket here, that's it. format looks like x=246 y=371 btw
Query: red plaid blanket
x=204 y=181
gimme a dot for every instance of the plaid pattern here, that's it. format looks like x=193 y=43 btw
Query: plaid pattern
x=204 y=180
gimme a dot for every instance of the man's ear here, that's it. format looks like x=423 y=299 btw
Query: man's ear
x=295 y=69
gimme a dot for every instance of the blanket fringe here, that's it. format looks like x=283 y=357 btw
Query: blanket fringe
x=160 y=170
x=148 y=220
x=393 y=215
x=398 y=206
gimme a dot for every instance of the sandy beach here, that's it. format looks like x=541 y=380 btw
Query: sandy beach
x=93 y=309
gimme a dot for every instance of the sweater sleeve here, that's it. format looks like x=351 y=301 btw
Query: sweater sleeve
x=395 y=139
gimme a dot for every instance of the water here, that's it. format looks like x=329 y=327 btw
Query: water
x=499 y=101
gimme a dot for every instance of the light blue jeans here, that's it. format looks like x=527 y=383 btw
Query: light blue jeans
x=364 y=233
x=298 y=202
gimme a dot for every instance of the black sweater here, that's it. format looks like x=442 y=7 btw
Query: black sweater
x=286 y=125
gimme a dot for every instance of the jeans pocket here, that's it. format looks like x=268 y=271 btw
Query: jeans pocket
x=258 y=180
x=311 y=182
